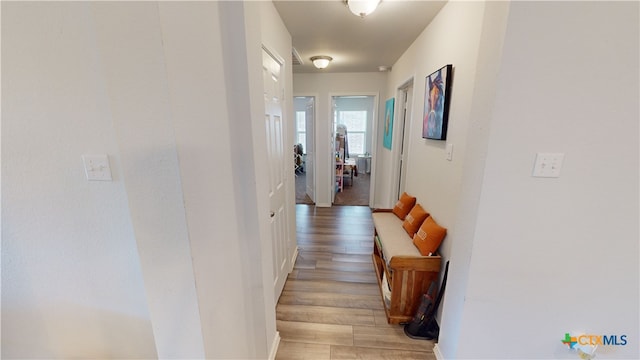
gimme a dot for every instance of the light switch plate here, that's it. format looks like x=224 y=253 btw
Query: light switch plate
x=96 y=167
x=548 y=165
x=449 y=152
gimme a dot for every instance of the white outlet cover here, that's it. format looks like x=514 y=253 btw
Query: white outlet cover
x=96 y=167
x=548 y=165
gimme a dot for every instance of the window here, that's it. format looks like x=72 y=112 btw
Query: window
x=356 y=123
x=301 y=130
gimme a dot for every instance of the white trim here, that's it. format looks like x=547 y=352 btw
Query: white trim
x=293 y=258
x=331 y=157
x=315 y=97
x=323 y=205
x=275 y=57
x=274 y=346
x=401 y=135
x=373 y=150
x=437 y=352
x=374 y=140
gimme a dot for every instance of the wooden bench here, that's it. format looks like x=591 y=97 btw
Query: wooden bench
x=399 y=264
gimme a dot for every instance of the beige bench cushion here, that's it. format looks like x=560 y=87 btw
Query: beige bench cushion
x=395 y=241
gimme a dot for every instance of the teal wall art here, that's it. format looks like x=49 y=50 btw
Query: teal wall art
x=388 y=123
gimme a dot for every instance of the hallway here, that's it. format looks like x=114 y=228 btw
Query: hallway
x=330 y=307
x=356 y=191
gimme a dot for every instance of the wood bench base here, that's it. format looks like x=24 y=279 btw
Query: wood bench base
x=409 y=277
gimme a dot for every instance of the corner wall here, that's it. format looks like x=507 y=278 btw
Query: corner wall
x=559 y=255
x=72 y=282
x=532 y=258
x=451 y=38
x=456 y=36
x=487 y=68
x=167 y=260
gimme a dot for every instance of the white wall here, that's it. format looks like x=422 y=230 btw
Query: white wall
x=552 y=256
x=134 y=65
x=193 y=103
x=451 y=38
x=221 y=66
x=71 y=277
x=325 y=86
x=524 y=267
x=463 y=231
x=109 y=269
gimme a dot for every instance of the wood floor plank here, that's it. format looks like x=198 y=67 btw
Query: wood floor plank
x=362 y=250
x=363 y=258
x=340 y=249
x=302 y=263
x=381 y=318
x=389 y=337
x=344 y=266
x=328 y=286
x=325 y=315
x=332 y=230
x=331 y=305
x=372 y=302
x=337 y=249
x=292 y=275
x=360 y=241
x=315 y=255
x=361 y=277
x=315 y=333
x=356 y=352
x=367 y=243
x=288 y=350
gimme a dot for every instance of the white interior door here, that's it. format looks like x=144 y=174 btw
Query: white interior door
x=276 y=152
x=309 y=166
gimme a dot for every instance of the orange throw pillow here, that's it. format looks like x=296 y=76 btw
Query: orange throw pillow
x=429 y=237
x=404 y=205
x=414 y=219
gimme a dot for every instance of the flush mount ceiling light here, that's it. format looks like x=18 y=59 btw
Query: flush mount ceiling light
x=321 y=61
x=362 y=8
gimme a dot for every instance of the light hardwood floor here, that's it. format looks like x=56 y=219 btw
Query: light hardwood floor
x=331 y=307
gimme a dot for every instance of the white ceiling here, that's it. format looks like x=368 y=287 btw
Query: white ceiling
x=356 y=44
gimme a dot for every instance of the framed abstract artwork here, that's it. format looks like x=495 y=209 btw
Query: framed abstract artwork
x=437 y=95
x=388 y=123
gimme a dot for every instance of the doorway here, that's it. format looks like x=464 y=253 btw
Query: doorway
x=405 y=95
x=304 y=149
x=352 y=132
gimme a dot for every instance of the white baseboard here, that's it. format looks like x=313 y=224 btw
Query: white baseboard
x=437 y=353
x=294 y=258
x=274 y=346
x=323 y=205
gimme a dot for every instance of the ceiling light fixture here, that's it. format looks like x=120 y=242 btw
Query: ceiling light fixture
x=321 y=61
x=362 y=8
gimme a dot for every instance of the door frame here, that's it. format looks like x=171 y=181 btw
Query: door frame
x=315 y=140
x=401 y=136
x=374 y=140
x=288 y=176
